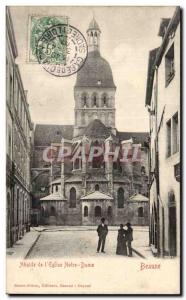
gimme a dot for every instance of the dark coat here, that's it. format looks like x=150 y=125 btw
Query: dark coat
x=121 y=242
x=129 y=235
x=102 y=230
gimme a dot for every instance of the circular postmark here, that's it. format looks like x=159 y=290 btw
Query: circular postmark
x=61 y=50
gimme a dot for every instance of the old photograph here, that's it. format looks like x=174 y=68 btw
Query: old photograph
x=93 y=149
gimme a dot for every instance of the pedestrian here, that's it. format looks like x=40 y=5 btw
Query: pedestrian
x=102 y=231
x=121 y=241
x=129 y=237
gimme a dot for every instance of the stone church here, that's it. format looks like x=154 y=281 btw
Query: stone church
x=80 y=193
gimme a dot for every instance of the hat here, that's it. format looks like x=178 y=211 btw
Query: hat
x=128 y=224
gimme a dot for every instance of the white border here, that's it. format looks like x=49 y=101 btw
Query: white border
x=2 y=106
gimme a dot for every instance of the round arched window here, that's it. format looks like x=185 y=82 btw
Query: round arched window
x=97 y=211
x=86 y=211
x=97 y=187
x=84 y=100
x=94 y=100
x=104 y=99
x=109 y=212
x=140 y=212
x=72 y=197
x=120 y=198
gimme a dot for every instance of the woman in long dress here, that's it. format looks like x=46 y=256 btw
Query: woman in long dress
x=121 y=242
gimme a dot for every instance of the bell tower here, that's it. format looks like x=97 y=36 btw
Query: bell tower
x=94 y=91
x=93 y=36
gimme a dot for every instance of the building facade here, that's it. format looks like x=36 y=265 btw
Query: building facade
x=163 y=102
x=77 y=191
x=19 y=126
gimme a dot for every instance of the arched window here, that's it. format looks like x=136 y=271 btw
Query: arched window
x=72 y=197
x=42 y=211
x=171 y=198
x=97 y=187
x=52 y=211
x=172 y=224
x=120 y=198
x=95 y=34
x=94 y=100
x=91 y=34
x=140 y=212
x=84 y=99
x=109 y=212
x=143 y=171
x=104 y=100
x=85 y=211
x=77 y=164
x=115 y=165
x=56 y=188
x=97 y=160
x=98 y=211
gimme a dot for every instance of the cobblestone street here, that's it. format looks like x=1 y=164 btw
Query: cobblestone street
x=69 y=241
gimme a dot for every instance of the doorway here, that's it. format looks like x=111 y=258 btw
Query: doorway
x=172 y=231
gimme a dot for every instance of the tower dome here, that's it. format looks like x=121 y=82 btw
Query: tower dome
x=96 y=72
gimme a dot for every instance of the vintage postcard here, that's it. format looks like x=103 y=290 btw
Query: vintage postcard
x=93 y=150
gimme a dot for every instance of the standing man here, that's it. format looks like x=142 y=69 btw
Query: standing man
x=129 y=237
x=102 y=231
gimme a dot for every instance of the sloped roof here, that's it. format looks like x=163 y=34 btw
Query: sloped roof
x=119 y=178
x=137 y=137
x=138 y=198
x=97 y=195
x=96 y=178
x=93 y=25
x=45 y=134
x=97 y=129
x=150 y=75
x=156 y=55
x=52 y=197
x=74 y=178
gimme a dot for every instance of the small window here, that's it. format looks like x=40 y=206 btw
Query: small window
x=140 y=212
x=109 y=211
x=104 y=100
x=175 y=144
x=77 y=164
x=84 y=100
x=97 y=187
x=169 y=138
x=143 y=171
x=56 y=188
x=115 y=165
x=98 y=211
x=86 y=211
x=94 y=100
x=120 y=198
x=72 y=197
x=169 y=65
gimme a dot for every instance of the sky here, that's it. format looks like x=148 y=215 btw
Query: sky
x=127 y=36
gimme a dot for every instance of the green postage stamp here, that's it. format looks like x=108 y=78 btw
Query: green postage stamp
x=59 y=47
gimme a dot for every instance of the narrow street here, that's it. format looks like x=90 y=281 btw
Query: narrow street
x=73 y=241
